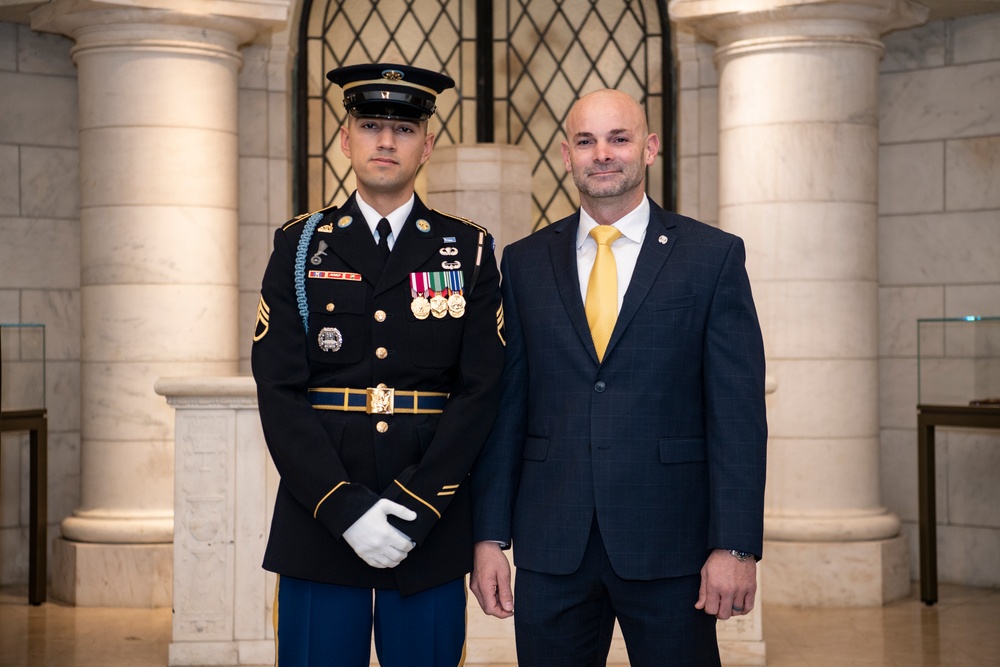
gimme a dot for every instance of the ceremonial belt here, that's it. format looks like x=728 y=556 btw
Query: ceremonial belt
x=380 y=400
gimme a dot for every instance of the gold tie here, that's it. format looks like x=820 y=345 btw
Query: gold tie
x=602 y=290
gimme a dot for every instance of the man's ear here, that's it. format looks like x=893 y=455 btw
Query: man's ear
x=345 y=146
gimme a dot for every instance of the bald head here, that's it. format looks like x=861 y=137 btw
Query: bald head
x=607 y=149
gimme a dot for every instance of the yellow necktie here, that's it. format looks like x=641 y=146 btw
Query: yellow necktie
x=602 y=290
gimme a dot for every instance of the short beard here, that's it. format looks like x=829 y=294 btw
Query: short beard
x=631 y=177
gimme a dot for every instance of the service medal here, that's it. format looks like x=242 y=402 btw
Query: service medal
x=456 y=302
x=420 y=306
x=439 y=298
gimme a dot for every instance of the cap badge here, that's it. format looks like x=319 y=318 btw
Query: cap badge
x=392 y=74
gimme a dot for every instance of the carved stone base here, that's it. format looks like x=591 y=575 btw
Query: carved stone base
x=112 y=575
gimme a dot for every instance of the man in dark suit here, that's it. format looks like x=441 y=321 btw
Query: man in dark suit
x=626 y=465
x=377 y=353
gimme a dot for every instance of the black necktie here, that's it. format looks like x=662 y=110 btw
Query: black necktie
x=384 y=229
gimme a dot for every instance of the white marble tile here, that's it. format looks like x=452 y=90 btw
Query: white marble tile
x=278 y=125
x=50 y=182
x=688 y=119
x=947 y=381
x=974 y=38
x=973 y=470
x=899 y=308
x=917 y=48
x=708 y=75
x=255 y=249
x=254 y=192
x=25 y=242
x=911 y=178
x=11 y=445
x=940 y=103
x=8 y=47
x=10 y=180
x=10 y=301
x=64 y=475
x=253 y=73
x=963 y=300
x=898 y=473
x=62 y=395
x=969 y=555
x=253 y=123
x=279 y=198
x=38 y=110
x=935 y=249
x=708 y=188
x=708 y=125
x=13 y=555
x=897 y=393
x=973 y=172
x=687 y=187
x=44 y=53
x=59 y=310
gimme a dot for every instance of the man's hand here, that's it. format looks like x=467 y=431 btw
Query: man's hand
x=375 y=540
x=728 y=586
x=490 y=580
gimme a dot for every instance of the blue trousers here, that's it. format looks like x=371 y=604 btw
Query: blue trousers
x=323 y=625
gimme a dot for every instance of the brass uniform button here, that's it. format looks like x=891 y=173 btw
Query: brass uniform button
x=381 y=427
x=381 y=353
x=380 y=316
x=329 y=307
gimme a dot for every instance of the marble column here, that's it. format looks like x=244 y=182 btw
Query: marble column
x=159 y=268
x=798 y=165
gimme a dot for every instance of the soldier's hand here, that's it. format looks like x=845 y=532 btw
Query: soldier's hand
x=375 y=540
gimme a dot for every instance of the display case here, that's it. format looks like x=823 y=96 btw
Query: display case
x=22 y=367
x=958 y=386
x=958 y=361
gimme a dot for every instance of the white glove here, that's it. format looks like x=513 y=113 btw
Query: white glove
x=375 y=540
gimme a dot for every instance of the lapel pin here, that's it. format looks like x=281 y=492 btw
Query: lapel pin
x=662 y=240
x=423 y=225
x=345 y=221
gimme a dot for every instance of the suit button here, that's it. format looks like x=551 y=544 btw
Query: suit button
x=380 y=316
x=329 y=307
x=381 y=427
x=381 y=353
x=600 y=386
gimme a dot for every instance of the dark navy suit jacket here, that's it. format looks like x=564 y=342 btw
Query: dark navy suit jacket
x=664 y=441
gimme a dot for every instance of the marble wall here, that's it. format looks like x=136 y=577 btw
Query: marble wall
x=939 y=256
x=40 y=268
x=939 y=246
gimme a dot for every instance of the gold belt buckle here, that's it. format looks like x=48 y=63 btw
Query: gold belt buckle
x=380 y=400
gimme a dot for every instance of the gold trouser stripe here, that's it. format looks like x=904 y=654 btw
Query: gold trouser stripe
x=316 y=511
x=418 y=498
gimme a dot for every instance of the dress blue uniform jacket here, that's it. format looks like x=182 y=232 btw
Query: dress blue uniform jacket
x=664 y=441
x=335 y=465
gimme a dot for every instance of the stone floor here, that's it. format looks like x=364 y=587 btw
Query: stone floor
x=962 y=630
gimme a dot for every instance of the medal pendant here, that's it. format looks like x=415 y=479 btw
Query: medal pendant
x=420 y=307
x=439 y=306
x=456 y=305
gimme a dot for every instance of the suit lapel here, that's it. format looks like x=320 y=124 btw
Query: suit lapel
x=354 y=244
x=660 y=239
x=562 y=248
x=412 y=249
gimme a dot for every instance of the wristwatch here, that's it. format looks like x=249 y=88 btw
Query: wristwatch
x=742 y=556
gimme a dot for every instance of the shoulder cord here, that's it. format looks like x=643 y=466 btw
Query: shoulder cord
x=300 y=266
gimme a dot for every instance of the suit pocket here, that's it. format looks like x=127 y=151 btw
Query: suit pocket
x=683 y=301
x=536 y=449
x=682 y=450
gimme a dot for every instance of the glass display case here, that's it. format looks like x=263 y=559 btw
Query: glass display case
x=958 y=361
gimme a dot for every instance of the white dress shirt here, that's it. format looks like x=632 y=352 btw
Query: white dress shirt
x=396 y=219
x=626 y=247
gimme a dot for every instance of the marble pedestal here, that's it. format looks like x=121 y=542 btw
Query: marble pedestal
x=112 y=575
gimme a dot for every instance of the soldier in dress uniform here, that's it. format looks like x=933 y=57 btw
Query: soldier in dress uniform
x=377 y=354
